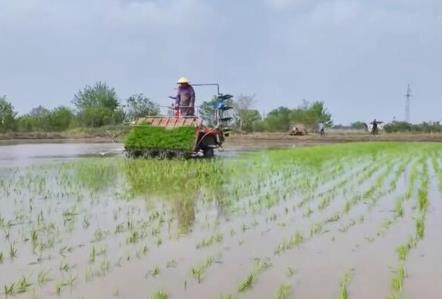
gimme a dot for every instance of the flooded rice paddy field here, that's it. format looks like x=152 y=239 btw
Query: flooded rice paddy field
x=357 y=220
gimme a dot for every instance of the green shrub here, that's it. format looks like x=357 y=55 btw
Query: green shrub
x=147 y=137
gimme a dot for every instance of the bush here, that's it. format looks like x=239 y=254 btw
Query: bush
x=401 y=126
x=98 y=106
x=41 y=119
x=7 y=116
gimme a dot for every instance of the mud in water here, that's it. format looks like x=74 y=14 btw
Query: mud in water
x=81 y=221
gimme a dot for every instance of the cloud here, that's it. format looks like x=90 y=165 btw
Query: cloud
x=339 y=51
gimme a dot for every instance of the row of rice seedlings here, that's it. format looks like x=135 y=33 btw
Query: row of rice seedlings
x=327 y=177
x=294 y=241
x=373 y=194
x=272 y=196
x=392 y=186
x=398 y=211
x=69 y=219
x=319 y=227
x=275 y=217
x=259 y=266
x=21 y=286
x=199 y=270
x=355 y=182
x=301 y=184
x=40 y=244
x=345 y=282
x=402 y=251
x=213 y=239
x=412 y=179
x=437 y=169
x=273 y=199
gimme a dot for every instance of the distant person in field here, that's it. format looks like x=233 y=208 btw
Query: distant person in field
x=375 y=129
x=321 y=129
x=185 y=98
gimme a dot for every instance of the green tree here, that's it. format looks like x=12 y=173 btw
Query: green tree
x=36 y=120
x=60 y=118
x=206 y=111
x=98 y=105
x=7 y=116
x=278 y=120
x=41 y=119
x=40 y=115
x=243 y=113
x=140 y=106
x=251 y=120
x=311 y=114
x=358 y=125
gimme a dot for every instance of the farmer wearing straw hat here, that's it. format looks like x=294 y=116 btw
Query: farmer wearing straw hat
x=185 y=98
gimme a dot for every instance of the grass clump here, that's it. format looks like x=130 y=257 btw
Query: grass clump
x=283 y=291
x=147 y=137
x=345 y=282
x=294 y=241
x=160 y=295
x=199 y=270
x=420 y=227
x=260 y=266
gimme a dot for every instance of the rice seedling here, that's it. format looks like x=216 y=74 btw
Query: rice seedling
x=403 y=251
x=12 y=251
x=259 y=266
x=199 y=270
x=155 y=272
x=398 y=207
x=294 y=241
x=291 y=272
x=420 y=226
x=345 y=282
x=215 y=238
x=9 y=290
x=104 y=267
x=43 y=278
x=160 y=295
x=398 y=280
x=247 y=282
x=284 y=291
x=422 y=199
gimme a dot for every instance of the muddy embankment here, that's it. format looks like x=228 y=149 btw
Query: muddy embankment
x=247 y=141
x=277 y=140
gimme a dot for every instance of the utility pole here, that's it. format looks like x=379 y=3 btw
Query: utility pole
x=407 y=104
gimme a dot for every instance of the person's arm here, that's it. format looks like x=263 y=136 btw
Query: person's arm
x=192 y=97
x=177 y=98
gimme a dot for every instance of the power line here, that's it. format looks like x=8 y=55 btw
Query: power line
x=408 y=97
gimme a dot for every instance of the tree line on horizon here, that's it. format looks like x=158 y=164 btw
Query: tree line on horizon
x=99 y=106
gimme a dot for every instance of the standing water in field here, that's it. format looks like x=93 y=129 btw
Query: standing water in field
x=360 y=220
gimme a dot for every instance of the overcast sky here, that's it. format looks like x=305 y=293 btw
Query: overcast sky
x=357 y=56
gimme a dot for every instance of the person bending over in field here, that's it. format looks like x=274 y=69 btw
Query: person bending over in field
x=185 y=98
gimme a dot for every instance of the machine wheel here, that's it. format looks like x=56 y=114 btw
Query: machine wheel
x=208 y=152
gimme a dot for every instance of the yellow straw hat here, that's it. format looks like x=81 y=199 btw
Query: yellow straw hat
x=183 y=80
